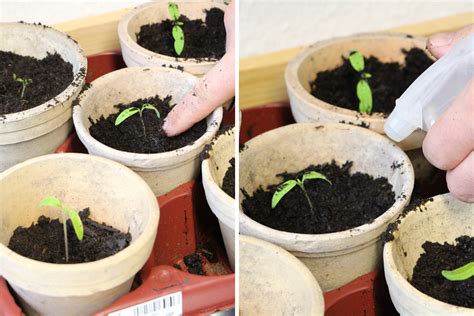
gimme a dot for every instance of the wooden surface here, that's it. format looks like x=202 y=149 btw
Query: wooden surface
x=262 y=77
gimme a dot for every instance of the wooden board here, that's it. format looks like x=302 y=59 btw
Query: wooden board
x=262 y=77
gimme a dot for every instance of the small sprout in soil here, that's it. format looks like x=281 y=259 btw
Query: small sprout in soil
x=460 y=274
x=286 y=187
x=364 y=93
x=23 y=82
x=73 y=216
x=125 y=114
x=177 y=31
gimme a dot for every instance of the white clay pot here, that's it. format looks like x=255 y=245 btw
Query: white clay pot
x=326 y=55
x=115 y=195
x=162 y=171
x=337 y=258
x=441 y=220
x=274 y=282
x=222 y=205
x=155 y=12
x=39 y=130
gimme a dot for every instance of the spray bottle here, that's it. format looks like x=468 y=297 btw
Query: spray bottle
x=432 y=92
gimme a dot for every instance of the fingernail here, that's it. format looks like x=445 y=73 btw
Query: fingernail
x=442 y=39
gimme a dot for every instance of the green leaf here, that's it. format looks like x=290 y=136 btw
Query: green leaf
x=173 y=10
x=314 y=175
x=364 y=93
x=460 y=274
x=126 y=114
x=357 y=61
x=51 y=201
x=366 y=75
x=149 y=106
x=76 y=222
x=281 y=191
x=178 y=36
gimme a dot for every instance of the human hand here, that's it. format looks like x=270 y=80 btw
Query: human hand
x=449 y=144
x=213 y=89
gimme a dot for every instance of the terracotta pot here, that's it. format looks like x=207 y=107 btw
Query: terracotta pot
x=326 y=55
x=155 y=12
x=39 y=130
x=441 y=220
x=162 y=171
x=291 y=148
x=222 y=205
x=115 y=195
x=274 y=282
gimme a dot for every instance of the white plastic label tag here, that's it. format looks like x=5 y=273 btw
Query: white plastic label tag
x=168 y=305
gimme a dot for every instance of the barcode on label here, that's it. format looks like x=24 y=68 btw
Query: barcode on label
x=168 y=305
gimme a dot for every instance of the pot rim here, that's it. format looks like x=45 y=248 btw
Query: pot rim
x=293 y=83
x=99 y=265
x=391 y=268
x=133 y=159
x=366 y=232
x=77 y=82
x=127 y=40
x=208 y=180
x=298 y=266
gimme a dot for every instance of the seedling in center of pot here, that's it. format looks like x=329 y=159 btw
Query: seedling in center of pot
x=23 y=82
x=73 y=216
x=125 y=114
x=177 y=31
x=364 y=93
x=460 y=274
x=287 y=186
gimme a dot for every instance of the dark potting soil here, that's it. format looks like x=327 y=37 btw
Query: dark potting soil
x=437 y=257
x=388 y=82
x=50 y=76
x=130 y=135
x=44 y=241
x=350 y=201
x=228 y=183
x=202 y=39
x=194 y=264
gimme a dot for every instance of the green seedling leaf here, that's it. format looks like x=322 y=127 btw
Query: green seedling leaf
x=51 y=201
x=126 y=114
x=282 y=190
x=151 y=107
x=173 y=10
x=366 y=75
x=23 y=82
x=460 y=274
x=357 y=61
x=178 y=35
x=314 y=175
x=364 y=93
x=76 y=222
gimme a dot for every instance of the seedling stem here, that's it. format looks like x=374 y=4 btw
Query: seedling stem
x=23 y=82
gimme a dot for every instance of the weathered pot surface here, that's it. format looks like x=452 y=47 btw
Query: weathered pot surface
x=115 y=195
x=162 y=171
x=39 y=130
x=274 y=282
x=291 y=148
x=441 y=220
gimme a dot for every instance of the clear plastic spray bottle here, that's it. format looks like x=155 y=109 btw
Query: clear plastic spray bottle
x=433 y=92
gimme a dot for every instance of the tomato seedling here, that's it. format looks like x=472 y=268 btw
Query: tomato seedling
x=460 y=274
x=23 y=82
x=73 y=216
x=287 y=186
x=177 y=31
x=125 y=114
x=364 y=93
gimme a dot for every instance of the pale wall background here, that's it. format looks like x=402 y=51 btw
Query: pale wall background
x=270 y=25
x=266 y=25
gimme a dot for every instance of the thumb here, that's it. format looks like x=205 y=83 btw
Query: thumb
x=439 y=44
